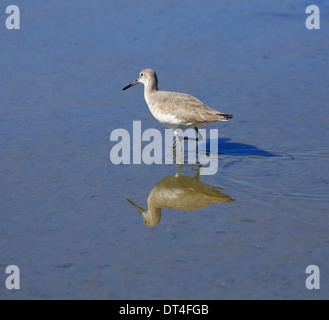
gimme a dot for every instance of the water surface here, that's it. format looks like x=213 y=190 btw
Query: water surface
x=65 y=220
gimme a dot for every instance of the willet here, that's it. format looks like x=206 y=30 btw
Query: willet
x=176 y=110
x=179 y=192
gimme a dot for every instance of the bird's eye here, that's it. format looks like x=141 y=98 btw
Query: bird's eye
x=142 y=74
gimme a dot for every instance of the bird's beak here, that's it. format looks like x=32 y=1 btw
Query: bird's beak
x=140 y=210
x=131 y=84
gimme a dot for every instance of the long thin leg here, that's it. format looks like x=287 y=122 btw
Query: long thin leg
x=179 y=160
x=174 y=144
x=178 y=170
x=199 y=138
x=198 y=173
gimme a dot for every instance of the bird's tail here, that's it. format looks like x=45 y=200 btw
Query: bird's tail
x=227 y=116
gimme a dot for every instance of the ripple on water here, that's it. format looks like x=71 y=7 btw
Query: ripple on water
x=302 y=175
x=251 y=170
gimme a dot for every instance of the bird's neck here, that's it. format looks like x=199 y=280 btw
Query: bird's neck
x=151 y=87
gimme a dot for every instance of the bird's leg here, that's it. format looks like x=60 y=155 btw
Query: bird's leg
x=178 y=170
x=179 y=160
x=199 y=138
x=174 y=144
x=197 y=176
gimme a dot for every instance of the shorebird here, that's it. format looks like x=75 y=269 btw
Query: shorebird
x=179 y=192
x=176 y=110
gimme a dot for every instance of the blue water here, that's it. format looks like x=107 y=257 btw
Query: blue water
x=65 y=220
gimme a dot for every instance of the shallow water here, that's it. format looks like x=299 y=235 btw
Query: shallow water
x=65 y=220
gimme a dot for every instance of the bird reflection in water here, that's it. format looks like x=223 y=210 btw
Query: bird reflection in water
x=179 y=192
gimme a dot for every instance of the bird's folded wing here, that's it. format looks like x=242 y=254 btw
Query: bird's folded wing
x=184 y=106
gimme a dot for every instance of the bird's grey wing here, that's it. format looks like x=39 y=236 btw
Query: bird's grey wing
x=185 y=107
